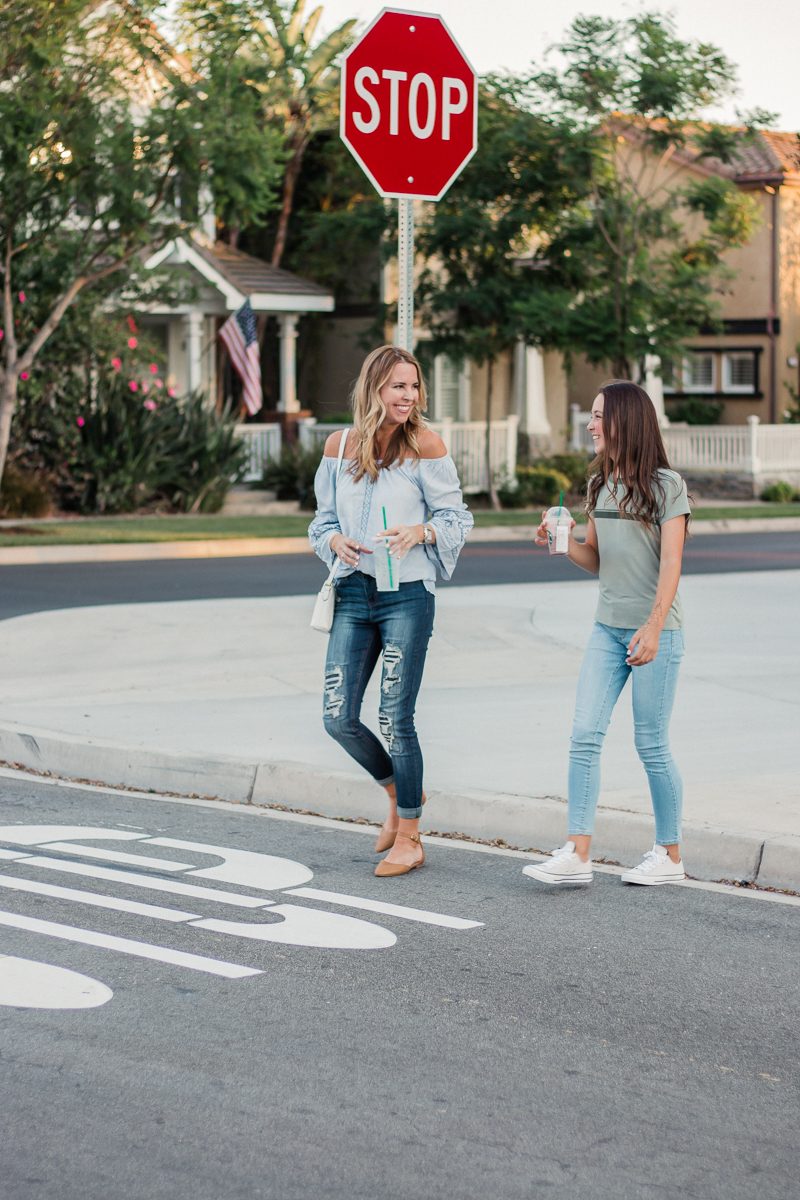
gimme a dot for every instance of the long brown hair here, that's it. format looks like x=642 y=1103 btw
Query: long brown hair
x=369 y=413
x=632 y=454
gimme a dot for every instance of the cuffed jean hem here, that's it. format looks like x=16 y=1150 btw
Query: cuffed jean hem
x=384 y=782
x=410 y=814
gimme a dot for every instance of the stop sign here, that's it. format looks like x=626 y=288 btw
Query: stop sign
x=409 y=105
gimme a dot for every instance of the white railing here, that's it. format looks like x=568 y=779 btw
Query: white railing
x=751 y=449
x=263 y=445
x=465 y=441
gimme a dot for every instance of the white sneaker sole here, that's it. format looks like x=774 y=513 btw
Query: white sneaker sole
x=536 y=872
x=651 y=880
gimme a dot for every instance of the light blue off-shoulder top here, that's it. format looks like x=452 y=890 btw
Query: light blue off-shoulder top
x=413 y=492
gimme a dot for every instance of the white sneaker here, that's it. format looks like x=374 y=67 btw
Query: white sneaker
x=656 y=867
x=563 y=866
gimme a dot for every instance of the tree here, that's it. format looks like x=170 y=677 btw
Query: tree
x=96 y=128
x=295 y=76
x=634 y=268
x=526 y=171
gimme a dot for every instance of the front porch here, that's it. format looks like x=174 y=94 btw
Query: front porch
x=215 y=280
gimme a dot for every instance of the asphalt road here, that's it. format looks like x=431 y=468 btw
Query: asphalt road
x=612 y=1042
x=44 y=587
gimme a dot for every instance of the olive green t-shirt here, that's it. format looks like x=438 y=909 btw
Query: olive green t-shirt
x=630 y=555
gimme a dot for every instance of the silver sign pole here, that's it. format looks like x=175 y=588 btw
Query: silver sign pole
x=405 y=272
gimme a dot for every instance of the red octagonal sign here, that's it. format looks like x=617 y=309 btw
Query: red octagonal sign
x=409 y=105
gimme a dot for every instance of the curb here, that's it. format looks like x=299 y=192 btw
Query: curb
x=253 y=547
x=535 y=823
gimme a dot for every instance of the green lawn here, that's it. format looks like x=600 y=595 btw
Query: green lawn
x=99 y=530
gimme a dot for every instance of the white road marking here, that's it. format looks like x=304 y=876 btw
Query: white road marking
x=175 y=886
x=28 y=984
x=308 y=927
x=34 y=835
x=245 y=867
x=12 y=854
x=95 y=898
x=106 y=941
x=117 y=856
x=390 y=910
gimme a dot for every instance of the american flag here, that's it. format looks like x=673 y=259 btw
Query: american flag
x=239 y=335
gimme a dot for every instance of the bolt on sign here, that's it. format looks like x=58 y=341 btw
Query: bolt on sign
x=409 y=105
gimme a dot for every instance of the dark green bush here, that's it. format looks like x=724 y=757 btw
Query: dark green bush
x=291 y=476
x=535 y=485
x=695 y=411
x=138 y=451
x=780 y=492
x=24 y=494
x=575 y=466
x=205 y=456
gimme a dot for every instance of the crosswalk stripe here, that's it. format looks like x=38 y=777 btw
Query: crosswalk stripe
x=147 y=881
x=106 y=941
x=96 y=898
x=117 y=856
x=380 y=906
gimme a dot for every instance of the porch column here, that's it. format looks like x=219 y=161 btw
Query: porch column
x=532 y=395
x=654 y=386
x=193 y=325
x=288 y=402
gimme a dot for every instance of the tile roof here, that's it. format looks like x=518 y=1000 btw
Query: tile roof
x=769 y=155
x=249 y=274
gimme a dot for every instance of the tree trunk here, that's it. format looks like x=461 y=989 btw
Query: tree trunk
x=8 y=403
x=494 y=499
x=289 y=184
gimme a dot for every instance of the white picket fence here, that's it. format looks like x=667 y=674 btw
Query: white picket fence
x=263 y=445
x=465 y=441
x=753 y=449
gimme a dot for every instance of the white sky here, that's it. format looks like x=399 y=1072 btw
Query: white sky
x=761 y=39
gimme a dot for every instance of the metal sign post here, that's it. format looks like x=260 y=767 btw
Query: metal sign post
x=409 y=116
x=405 y=274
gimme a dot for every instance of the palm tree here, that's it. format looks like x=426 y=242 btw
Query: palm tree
x=299 y=80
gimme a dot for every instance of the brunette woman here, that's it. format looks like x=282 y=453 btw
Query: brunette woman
x=398 y=487
x=638 y=513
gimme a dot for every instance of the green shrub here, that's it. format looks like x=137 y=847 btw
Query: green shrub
x=24 y=494
x=535 y=485
x=778 y=493
x=205 y=456
x=140 y=451
x=695 y=411
x=291 y=476
x=575 y=466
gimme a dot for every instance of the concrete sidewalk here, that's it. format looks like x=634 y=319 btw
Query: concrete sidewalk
x=222 y=698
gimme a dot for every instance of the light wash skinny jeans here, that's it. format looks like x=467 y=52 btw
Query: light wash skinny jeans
x=603 y=676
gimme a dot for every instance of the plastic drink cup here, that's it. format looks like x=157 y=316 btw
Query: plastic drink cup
x=559 y=522
x=387 y=571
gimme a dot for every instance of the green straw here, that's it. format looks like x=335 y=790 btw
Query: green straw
x=388 y=555
x=561 y=500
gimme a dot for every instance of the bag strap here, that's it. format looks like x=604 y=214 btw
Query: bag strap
x=342 y=444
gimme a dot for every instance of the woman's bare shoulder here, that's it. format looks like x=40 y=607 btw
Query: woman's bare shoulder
x=332 y=443
x=431 y=445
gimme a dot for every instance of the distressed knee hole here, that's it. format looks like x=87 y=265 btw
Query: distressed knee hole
x=334 y=696
x=386 y=726
x=392 y=658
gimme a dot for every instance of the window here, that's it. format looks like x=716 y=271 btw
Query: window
x=449 y=391
x=739 y=372
x=698 y=372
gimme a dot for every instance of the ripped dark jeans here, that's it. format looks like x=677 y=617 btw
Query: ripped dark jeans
x=365 y=623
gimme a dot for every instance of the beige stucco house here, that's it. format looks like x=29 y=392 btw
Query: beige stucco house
x=747 y=365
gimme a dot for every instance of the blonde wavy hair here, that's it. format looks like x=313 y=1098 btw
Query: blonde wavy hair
x=369 y=413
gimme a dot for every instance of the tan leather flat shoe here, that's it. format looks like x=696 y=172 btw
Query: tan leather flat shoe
x=385 y=839
x=388 y=870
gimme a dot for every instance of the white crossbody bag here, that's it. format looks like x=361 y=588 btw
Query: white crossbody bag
x=322 y=616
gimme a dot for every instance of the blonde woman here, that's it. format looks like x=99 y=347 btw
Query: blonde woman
x=393 y=465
